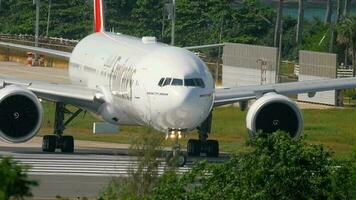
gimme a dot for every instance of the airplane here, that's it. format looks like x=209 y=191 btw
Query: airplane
x=139 y=81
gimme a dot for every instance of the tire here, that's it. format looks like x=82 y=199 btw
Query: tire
x=212 y=148
x=49 y=143
x=193 y=147
x=68 y=144
x=176 y=161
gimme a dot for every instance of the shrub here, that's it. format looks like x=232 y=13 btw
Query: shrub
x=14 y=182
x=277 y=167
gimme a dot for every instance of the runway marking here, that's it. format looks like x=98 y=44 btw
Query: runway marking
x=82 y=165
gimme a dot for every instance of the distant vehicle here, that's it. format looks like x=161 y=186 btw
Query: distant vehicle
x=139 y=81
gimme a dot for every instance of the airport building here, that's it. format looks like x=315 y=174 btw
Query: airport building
x=248 y=65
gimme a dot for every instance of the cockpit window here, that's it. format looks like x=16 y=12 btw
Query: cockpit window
x=177 y=81
x=167 y=82
x=190 y=82
x=160 y=83
x=194 y=82
x=200 y=82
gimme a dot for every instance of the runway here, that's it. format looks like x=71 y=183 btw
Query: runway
x=82 y=174
x=81 y=164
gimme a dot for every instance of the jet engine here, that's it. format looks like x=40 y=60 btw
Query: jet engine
x=273 y=112
x=20 y=114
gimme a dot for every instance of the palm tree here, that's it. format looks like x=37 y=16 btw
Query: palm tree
x=300 y=22
x=346 y=7
x=346 y=34
x=328 y=12
x=278 y=28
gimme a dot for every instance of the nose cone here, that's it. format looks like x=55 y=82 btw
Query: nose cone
x=187 y=108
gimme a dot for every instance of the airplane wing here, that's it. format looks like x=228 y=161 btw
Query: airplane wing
x=39 y=50
x=225 y=96
x=66 y=93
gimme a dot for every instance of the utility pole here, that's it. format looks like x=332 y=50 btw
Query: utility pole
x=279 y=53
x=219 y=52
x=173 y=21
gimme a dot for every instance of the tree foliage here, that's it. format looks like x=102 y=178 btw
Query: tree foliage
x=277 y=168
x=14 y=182
x=198 y=22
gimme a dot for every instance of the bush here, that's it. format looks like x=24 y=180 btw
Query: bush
x=143 y=175
x=276 y=168
x=14 y=181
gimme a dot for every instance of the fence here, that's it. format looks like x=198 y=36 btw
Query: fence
x=46 y=42
x=341 y=72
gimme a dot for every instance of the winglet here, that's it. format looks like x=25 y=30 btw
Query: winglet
x=99 y=16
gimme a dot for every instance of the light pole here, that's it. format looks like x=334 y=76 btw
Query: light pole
x=173 y=21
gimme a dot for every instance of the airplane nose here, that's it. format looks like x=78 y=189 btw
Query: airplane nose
x=188 y=108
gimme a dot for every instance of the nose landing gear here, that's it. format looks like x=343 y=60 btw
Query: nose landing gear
x=176 y=158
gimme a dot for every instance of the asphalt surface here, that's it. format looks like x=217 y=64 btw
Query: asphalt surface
x=82 y=174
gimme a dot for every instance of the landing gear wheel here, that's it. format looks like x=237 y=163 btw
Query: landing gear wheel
x=212 y=148
x=178 y=160
x=193 y=147
x=49 y=143
x=67 y=144
x=182 y=159
x=58 y=141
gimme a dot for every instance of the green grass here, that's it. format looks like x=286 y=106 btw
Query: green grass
x=335 y=128
x=287 y=68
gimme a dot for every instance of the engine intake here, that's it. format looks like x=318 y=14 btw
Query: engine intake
x=273 y=112
x=20 y=114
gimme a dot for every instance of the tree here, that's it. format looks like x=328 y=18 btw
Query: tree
x=118 y=15
x=300 y=24
x=346 y=35
x=147 y=15
x=14 y=181
x=277 y=167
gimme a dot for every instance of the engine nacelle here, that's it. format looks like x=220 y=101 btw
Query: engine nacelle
x=274 y=112
x=21 y=114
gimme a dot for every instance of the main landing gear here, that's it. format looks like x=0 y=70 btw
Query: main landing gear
x=57 y=141
x=203 y=145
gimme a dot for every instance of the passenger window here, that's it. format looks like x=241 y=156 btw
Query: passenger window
x=160 y=83
x=167 y=81
x=177 y=82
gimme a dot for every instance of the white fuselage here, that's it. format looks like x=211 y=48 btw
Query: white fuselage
x=128 y=71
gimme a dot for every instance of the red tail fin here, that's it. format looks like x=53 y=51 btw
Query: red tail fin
x=99 y=16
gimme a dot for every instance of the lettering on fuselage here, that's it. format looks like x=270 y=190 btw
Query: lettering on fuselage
x=122 y=79
x=119 y=73
x=157 y=94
